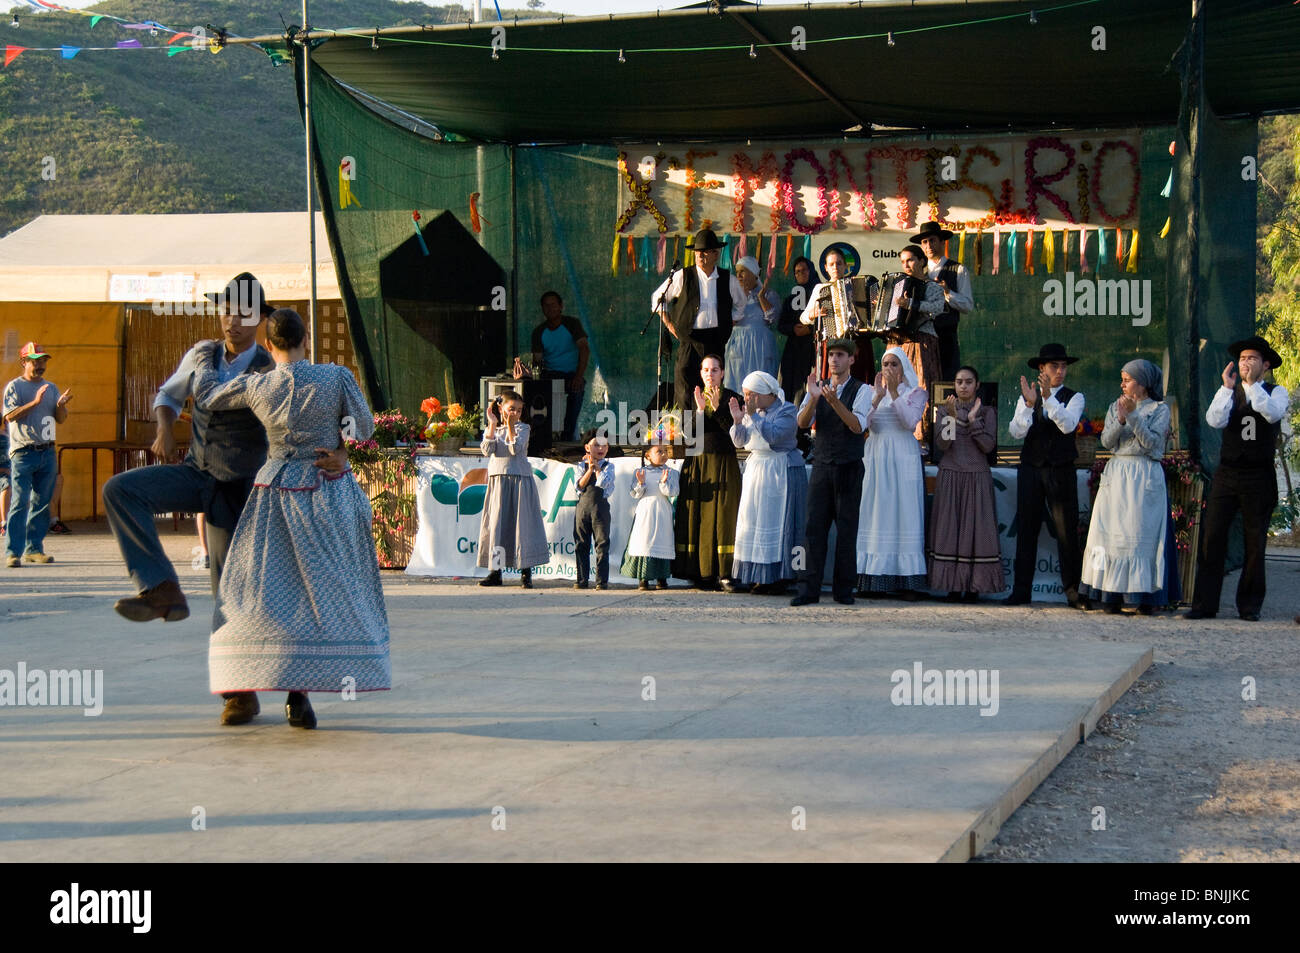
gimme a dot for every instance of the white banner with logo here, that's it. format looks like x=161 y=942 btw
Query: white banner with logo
x=452 y=491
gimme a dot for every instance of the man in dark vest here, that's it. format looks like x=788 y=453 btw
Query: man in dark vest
x=954 y=279
x=1250 y=415
x=839 y=406
x=696 y=311
x=227 y=449
x=1046 y=485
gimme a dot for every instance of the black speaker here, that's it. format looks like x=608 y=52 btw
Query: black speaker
x=538 y=415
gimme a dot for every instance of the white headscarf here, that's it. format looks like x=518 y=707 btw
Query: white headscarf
x=909 y=372
x=761 y=382
x=750 y=264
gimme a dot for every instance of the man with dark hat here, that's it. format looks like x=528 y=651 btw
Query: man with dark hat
x=1249 y=412
x=32 y=408
x=954 y=279
x=1046 y=414
x=227 y=449
x=695 y=307
x=839 y=406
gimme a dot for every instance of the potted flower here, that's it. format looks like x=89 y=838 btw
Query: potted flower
x=449 y=427
x=1085 y=440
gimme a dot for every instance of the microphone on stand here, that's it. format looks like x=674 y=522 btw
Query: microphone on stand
x=677 y=266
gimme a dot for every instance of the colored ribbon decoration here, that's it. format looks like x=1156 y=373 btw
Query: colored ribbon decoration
x=660 y=263
x=1029 y=253
x=961 y=249
x=688 y=257
x=979 y=252
x=346 y=197
x=647 y=253
x=1083 y=250
x=742 y=247
x=419 y=235
x=613 y=261
x=631 y=255
x=1133 y=254
x=1164 y=232
x=771 y=256
x=1049 y=250
x=1012 y=241
x=789 y=247
x=1169 y=186
x=475 y=220
x=1103 y=248
x=807 y=247
x=997 y=248
x=1119 y=247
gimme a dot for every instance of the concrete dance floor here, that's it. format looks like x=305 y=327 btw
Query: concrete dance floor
x=545 y=725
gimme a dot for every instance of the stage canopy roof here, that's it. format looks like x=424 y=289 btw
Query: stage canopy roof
x=688 y=74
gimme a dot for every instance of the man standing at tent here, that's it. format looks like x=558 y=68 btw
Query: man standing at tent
x=562 y=344
x=696 y=310
x=954 y=279
x=32 y=408
x=226 y=451
x=1250 y=415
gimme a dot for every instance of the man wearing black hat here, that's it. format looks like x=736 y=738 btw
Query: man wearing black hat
x=1046 y=414
x=696 y=310
x=227 y=449
x=1250 y=415
x=954 y=279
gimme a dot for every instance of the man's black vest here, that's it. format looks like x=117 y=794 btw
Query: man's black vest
x=946 y=320
x=686 y=306
x=230 y=444
x=835 y=442
x=1045 y=445
x=1256 y=453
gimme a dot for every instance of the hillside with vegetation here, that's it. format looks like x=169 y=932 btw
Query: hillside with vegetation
x=138 y=131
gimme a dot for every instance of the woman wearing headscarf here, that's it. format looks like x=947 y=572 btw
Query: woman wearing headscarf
x=891 y=521
x=797 y=358
x=1129 y=554
x=771 y=503
x=965 y=557
x=751 y=346
x=705 y=524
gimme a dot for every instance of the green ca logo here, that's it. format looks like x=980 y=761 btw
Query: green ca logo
x=467 y=495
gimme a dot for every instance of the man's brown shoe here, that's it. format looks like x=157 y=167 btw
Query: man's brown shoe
x=37 y=558
x=240 y=709
x=13 y=562
x=163 y=601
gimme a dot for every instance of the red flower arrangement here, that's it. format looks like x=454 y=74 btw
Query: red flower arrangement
x=1106 y=147
x=1034 y=182
x=787 y=192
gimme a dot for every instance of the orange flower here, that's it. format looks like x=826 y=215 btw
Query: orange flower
x=455 y=411
x=431 y=405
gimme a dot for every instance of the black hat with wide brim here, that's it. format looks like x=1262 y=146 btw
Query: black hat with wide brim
x=932 y=230
x=1049 y=353
x=1256 y=343
x=705 y=240
x=246 y=293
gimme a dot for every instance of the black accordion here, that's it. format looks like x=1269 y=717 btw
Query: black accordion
x=907 y=320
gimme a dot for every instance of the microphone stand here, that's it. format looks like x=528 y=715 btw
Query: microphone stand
x=659 y=351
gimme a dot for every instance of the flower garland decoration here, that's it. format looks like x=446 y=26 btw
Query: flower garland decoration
x=694 y=183
x=641 y=198
x=966 y=182
x=787 y=192
x=900 y=158
x=748 y=180
x=1081 y=184
x=1035 y=183
x=1106 y=147
x=932 y=186
x=837 y=160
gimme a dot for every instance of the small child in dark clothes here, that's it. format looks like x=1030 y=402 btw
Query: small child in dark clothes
x=595 y=484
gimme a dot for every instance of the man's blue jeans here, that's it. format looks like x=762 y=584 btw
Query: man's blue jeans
x=33 y=473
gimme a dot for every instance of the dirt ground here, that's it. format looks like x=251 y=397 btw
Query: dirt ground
x=1184 y=767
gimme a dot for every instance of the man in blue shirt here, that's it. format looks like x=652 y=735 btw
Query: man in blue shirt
x=32 y=408
x=563 y=345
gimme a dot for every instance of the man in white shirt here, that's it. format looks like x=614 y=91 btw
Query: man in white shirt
x=1250 y=415
x=696 y=311
x=1046 y=486
x=954 y=279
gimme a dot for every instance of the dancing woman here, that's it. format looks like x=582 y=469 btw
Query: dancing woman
x=300 y=607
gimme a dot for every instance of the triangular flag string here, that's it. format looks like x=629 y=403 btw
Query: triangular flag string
x=12 y=53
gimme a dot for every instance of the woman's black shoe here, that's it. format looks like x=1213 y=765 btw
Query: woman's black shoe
x=526 y=578
x=491 y=579
x=1112 y=608
x=299 y=711
x=1145 y=609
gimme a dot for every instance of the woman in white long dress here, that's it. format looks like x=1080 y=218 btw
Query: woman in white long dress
x=766 y=425
x=751 y=346
x=891 y=521
x=1127 y=556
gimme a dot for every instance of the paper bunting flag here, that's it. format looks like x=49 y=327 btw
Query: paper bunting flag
x=613 y=261
x=1164 y=232
x=979 y=252
x=660 y=264
x=997 y=249
x=1133 y=254
x=1012 y=241
x=742 y=248
x=129 y=44
x=807 y=247
x=1049 y=250
x=771 y=256
x=631 y=255
x=724 y=260
x=12 y=53
x=70 y=51
x=1119 y=247
x=1168 y=190
x=961 y=249
x=1083 y=250
x=1103 y=248
x=1029 y=253
x=172 y=51
x=475 y=219
x=789 y=248
x=95 y=19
